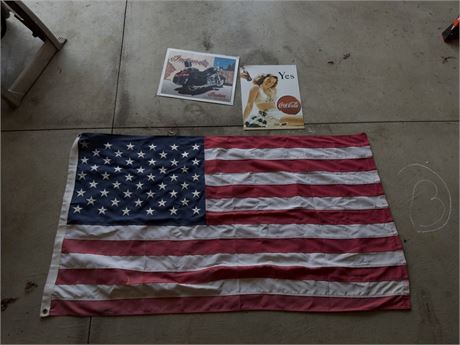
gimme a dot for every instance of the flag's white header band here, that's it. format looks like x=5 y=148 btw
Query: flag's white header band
x=55 y=260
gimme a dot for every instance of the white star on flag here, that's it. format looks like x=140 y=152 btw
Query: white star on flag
x=173 y=193
x=127 y=194
x=150 y=194
x=196 y=194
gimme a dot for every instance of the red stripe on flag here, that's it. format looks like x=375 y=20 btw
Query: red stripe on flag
x=111 y=276
x=290 y=190
x=298 y=165
x=225 y=303
x=230 y=246
x=277 y=141
x=300 y=216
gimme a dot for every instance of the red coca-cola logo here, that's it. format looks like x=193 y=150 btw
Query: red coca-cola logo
x=289 y=105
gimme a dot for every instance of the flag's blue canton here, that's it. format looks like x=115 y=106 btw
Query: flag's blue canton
x=138 y=180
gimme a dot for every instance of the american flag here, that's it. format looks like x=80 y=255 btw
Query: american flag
x=209 y=224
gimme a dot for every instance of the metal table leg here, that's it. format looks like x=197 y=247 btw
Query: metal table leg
x=51 y=46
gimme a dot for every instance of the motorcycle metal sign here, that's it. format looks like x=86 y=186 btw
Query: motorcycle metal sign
x=199 y=76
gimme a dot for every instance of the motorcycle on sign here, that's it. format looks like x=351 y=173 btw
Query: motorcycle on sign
x=193 y=80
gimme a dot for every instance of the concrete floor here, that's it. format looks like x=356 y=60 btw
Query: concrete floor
x=400 y=85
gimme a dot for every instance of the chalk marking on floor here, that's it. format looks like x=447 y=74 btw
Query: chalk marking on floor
x=433 y=198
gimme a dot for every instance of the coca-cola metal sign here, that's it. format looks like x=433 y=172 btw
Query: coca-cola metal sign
x=271 y=97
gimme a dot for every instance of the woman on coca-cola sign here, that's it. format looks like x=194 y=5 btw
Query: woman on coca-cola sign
x=263 y=96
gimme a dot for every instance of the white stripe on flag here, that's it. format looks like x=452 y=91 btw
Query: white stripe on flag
x=229 y=287
x=196 y=262
x=313 y=203
x=283 y=178
x=200 y=232
x=289 y=153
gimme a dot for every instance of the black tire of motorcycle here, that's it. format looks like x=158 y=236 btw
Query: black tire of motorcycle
x=188 y=88
x=223 y=82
